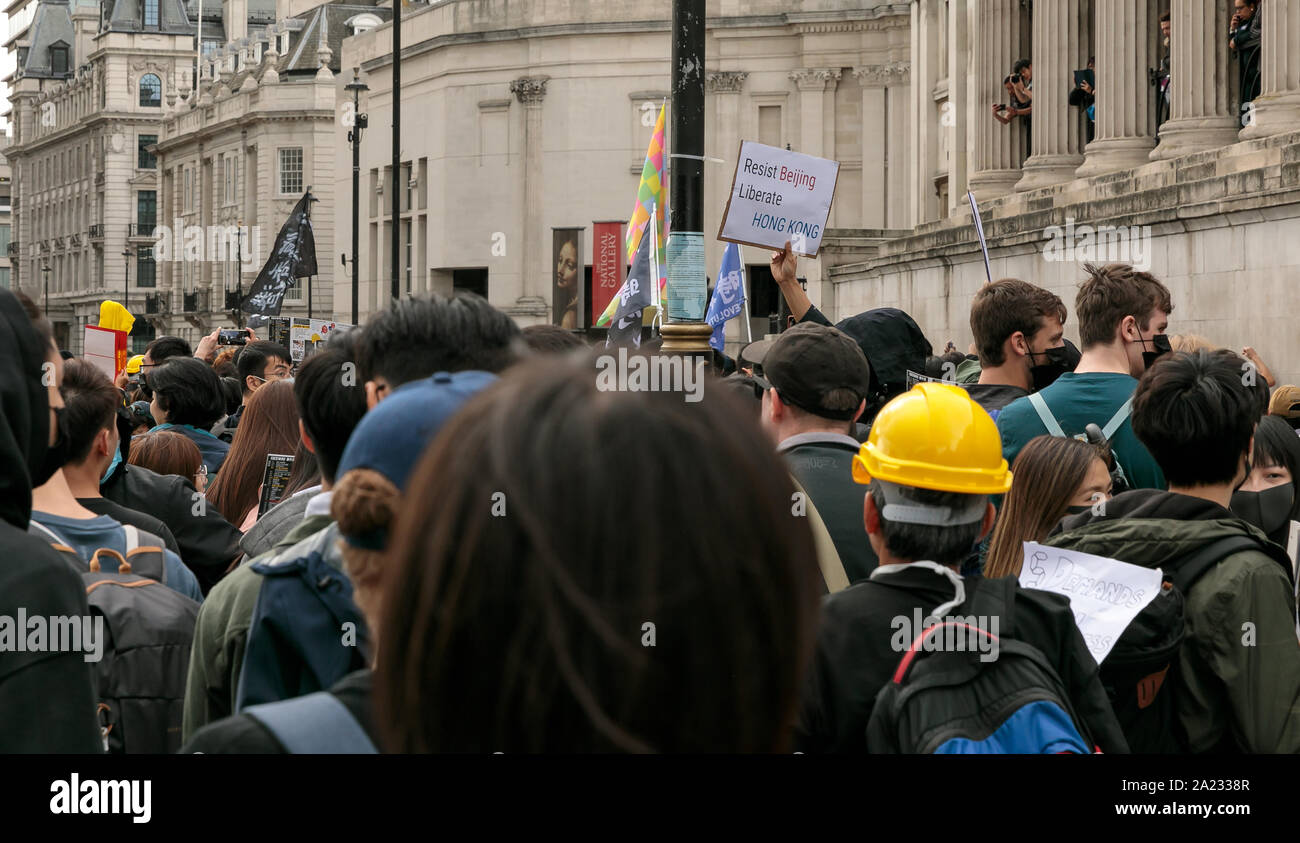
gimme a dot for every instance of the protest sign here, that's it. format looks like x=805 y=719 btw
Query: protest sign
x=305 y=335
x=105 y=350
x=779 y=195
x=1105 y=594
x=275 y=477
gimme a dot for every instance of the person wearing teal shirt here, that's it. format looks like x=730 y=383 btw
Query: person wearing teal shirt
x=1123 y=315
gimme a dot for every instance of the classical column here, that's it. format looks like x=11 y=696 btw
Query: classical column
x=879 y=83
x=533 y=273
x=1277 y=108
x=995 y=40
x=724 y=86
x=1201 y=112
x=1060 y=32
x=1126 y=33
x=813 y=83
x=898 y=113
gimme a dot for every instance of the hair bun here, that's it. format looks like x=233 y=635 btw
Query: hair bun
x=363 y=501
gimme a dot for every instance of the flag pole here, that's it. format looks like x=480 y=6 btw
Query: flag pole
x=744 y=295
x=653 y=231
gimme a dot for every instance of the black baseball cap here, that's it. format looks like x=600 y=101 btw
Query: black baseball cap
x=809 y=360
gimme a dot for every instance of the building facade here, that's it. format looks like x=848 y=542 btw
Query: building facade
x=259 y=135
x=524 y=116
x=1209 y=199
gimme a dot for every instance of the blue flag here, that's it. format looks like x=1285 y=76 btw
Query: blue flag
x=728 y=294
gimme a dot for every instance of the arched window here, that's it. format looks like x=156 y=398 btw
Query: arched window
x=150 y=91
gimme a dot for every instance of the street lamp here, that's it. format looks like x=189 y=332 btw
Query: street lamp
x=45 y=268
x=360 y=121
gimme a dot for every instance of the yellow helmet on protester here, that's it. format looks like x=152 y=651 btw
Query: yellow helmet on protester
x=133 y=365
x=935 y=437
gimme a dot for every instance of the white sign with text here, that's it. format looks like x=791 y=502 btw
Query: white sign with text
x=1105 y=594
x=779 y=195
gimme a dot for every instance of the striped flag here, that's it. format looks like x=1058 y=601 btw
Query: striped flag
x=651 y=195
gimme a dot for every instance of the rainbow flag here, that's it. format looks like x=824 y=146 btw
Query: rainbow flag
x=652 y=193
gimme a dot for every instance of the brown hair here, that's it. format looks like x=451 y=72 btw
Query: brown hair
x=1190 y=342
x=1113 y=292
x=517 y=602
x=1004 y=307
x=90 y=403
x=364 y=501
x=1046 y=476
x=269 y=425
x=166 y=452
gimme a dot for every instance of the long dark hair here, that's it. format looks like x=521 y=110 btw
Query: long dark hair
x=623 y=573
x=1046 y=476
x=269 y=425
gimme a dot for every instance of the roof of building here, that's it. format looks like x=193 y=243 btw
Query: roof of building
x=128 y=16
x=52 y=25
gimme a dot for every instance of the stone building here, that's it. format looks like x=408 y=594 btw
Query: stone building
x=1210 y=198
x=259 y=134
x=522 y=116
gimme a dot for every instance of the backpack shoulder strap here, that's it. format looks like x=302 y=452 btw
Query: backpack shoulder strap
x=1049 y=420
x=64 y=549
x=1189 y=569
x=1117 y=420
x=315 y=724
x=144 y=552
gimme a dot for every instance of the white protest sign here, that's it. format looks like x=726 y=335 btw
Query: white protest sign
x=778 y=195
x=1105 y=594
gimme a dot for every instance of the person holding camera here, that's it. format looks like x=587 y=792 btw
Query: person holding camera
x=1019 y=88
x=1244 y=41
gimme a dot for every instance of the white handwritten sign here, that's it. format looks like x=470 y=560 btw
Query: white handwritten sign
x=778 y=195
x=1105 y=594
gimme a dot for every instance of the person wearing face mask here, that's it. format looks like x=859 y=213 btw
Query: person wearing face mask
x=1019 y=334
x=1055 y=478
x=926 y=505
x=1123 y=315
x=1268 y=499
x=47 y=697
x=1236 y=686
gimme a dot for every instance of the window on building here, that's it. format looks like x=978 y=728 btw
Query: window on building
x=291 y=170
x=146 y=271
x=297 y=290
x=769 y=125
x=146 y=210
x=59 y=59
x=142 y=333
x=188 y=198
x=151 y=13
x=145 y=159
x=4 y=239
x=409 y=245
x=4 y=278
x=470 y=281
x=150 y=91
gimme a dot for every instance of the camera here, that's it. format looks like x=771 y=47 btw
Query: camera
x=1015 y=79
x=232 y=336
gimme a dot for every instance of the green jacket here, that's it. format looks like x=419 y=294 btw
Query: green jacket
x=222 y=631
x=1239 y=682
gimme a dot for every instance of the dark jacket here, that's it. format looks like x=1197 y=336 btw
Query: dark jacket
x=856 y=656
x=823 y=464
x=1246 y=44
x=47 y=699
x=242 y=734
x=994 y=396
x=276 y=524
x=208 y=542
x=119 y=513
x=1239 y=679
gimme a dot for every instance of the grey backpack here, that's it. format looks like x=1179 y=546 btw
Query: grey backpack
x=147 y=631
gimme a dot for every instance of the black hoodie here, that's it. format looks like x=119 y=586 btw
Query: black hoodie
x=47 y=699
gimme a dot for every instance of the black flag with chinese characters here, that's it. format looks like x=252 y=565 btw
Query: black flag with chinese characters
x=635 y=296
x=293 y=257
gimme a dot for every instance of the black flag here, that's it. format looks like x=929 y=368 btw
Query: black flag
x=633 y=298
x=294 y=256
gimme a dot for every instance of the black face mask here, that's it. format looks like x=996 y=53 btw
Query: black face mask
x=1268 y=510
x=57 y=454
x=1160 y=342
x=1045 y=374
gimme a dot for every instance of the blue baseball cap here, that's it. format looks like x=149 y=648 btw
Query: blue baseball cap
x=390 y=438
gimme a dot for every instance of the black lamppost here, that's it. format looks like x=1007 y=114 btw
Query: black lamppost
x=45 y=268
x=360 y=121
x=126 y=261
x=397 y=149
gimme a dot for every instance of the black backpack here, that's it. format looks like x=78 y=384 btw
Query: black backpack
x=1141 y=670
x=148 y=630
x=950 y=702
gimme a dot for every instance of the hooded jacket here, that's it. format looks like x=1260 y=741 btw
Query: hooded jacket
x=47 y=698
x=1238 y=687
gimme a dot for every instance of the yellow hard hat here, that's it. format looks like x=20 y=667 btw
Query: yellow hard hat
x=935 y=437
x=133 y=365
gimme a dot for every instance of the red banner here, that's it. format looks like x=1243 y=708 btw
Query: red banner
x=607 y=265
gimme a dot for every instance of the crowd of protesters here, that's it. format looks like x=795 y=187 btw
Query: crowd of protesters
x=479 y=549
